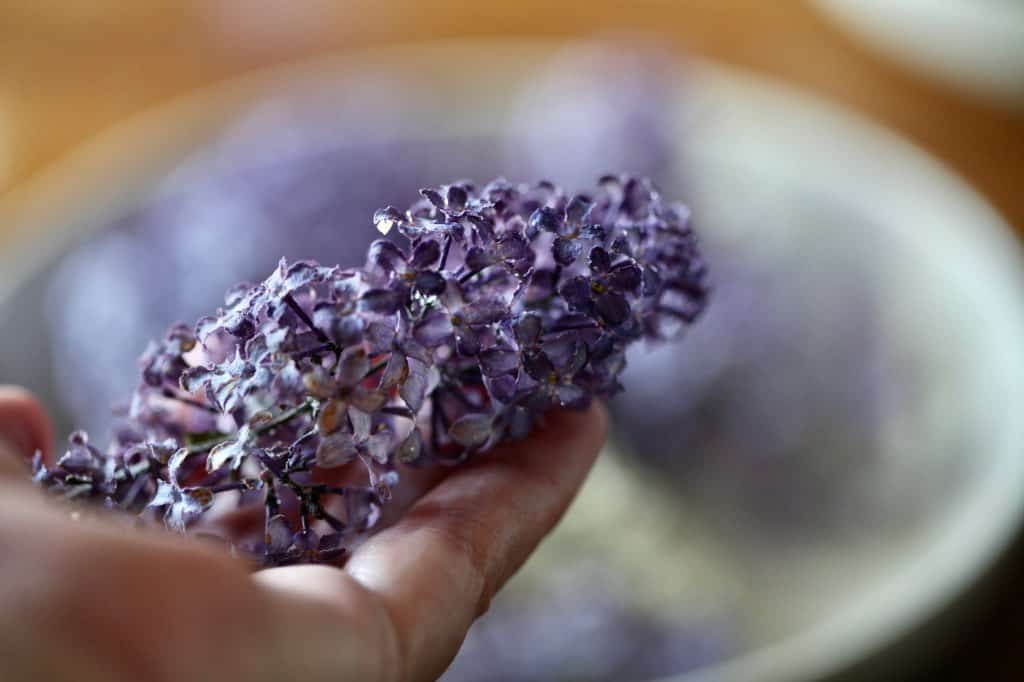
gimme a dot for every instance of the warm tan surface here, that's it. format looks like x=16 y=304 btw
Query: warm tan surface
x=70 y=68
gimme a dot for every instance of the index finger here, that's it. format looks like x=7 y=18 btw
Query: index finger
x=431 y=574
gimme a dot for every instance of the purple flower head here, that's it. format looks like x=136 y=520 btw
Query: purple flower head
x=308 y=393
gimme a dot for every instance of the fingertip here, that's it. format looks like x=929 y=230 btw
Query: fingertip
x=342 y=629
x=24 y=423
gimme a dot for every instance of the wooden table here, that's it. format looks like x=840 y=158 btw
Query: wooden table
x=70 y=68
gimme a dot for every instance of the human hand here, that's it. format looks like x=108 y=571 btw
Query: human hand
x=88 y=601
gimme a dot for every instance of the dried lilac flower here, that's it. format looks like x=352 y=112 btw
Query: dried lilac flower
x=305 y=393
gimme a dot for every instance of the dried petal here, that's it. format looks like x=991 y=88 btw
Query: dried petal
x=426 y=254
x=386 y=218
x=279 y=534
x=395 y=372
x=613 y=308
x=414 y=389
x=545 y=219
x=495 y=361
x=429 y=283
x=353 y=367
x=566 y=250
x=381 y=301
x=434 y=329
x=336 y=450
x=600 y=260
x=471 y=430
x=378 y=447
x=411 y=448
x=576 y=292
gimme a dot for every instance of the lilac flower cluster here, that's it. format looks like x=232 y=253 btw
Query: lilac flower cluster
x=305 y=394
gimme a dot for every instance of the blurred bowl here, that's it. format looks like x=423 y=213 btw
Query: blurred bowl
x=781 y=180
x=976 y=45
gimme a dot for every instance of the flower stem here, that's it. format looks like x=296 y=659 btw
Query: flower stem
x=297 y=309
x=283 y=418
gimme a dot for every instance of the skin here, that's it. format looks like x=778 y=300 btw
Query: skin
x=91 y=599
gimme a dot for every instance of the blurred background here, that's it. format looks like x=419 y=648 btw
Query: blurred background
x=841 y=414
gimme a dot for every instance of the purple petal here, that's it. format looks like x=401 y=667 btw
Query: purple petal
x=433 y=196
x=576 y=292
x=174 y=464
x=434 y=329
x=624 y=277
x=229 y=453
x=239 y=294
x=368 y=401
x=307 y=542
x=336 y=450
x=319 y=382
x=387 y=255
x=528 y=329
x=288 y=380
x=485 y=311
x=165 y=494
x=576 y=360
x=578 y=210
x=501 y=388
x=332 y=416
x=430 y=283
x=600 y=260
x=571 y=395
x=512 y=247
x=378 y=447
x=467 y=341
x=426 y=254
x=381 y=301
x=362 y=422
x=386 y=218
x=565 y=251
x=538 y=366
x=346 y=330
x=495 y=361
x=595 y=232
x=279 y=534
x=484 y=226
x=613 y=308
x=291 y=278
x=414 y=390
x=380 y=335
x=353 y=367
x=652 y=282
x=621 y=246
x=545 y=220
x=411 y=448
x=477 y=259
x=395 y=372
x=456 y=198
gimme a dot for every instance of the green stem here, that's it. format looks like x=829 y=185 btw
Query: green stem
x=283 y=418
